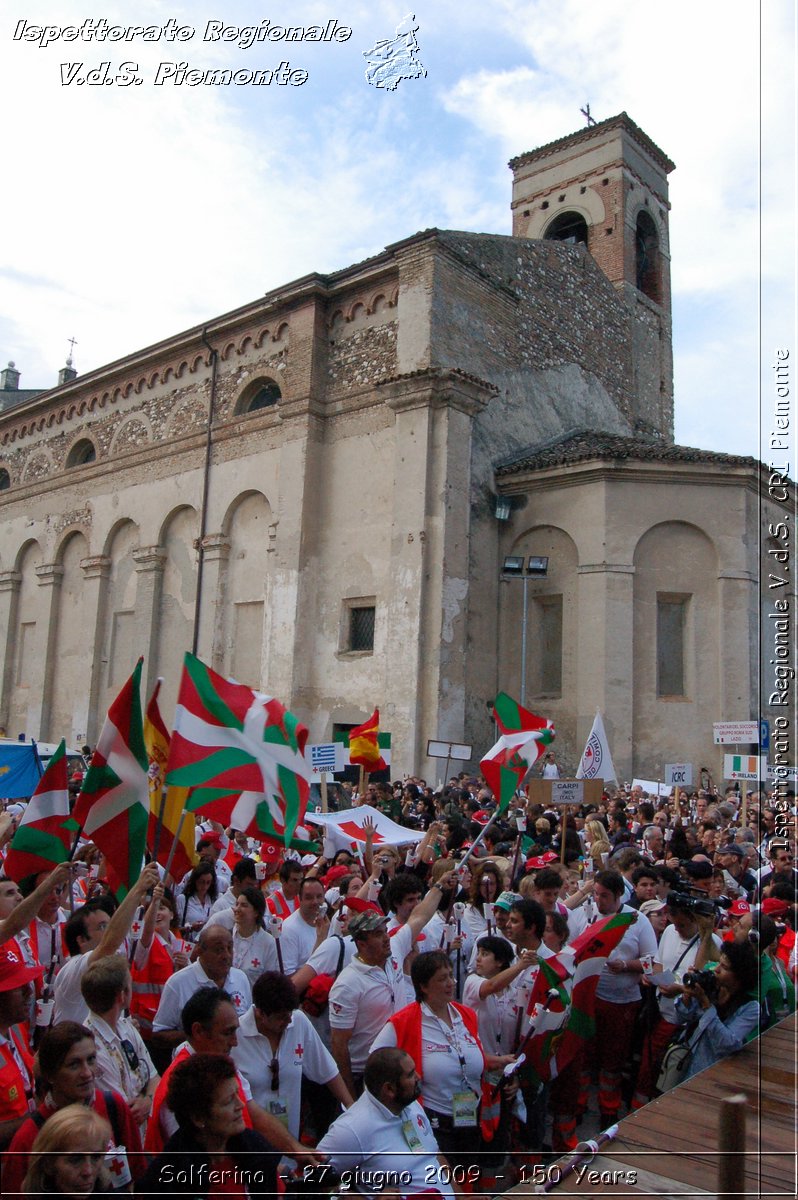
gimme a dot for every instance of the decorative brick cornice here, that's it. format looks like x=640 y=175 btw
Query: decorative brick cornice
x=10 y=581
x=98 y=567
x=149 y=558
x=50 y=574
x=436 y=388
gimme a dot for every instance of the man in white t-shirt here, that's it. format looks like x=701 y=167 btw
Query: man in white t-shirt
x=372 y=988
x=550 y=768
x=306 y=928
x=388 y=1133
x=213 y=968
x=90 y=935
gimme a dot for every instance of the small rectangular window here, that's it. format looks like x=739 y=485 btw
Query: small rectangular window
x=361 y=628
x=671 y=627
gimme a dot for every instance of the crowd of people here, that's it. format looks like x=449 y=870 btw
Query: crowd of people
x=270 y=1024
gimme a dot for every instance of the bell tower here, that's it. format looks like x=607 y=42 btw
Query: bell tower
x=606 y=187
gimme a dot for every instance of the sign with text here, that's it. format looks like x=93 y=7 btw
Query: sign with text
x=679 y=774
x=735 y=733
x=326 y=757
x=744 y=766
x=565 y=791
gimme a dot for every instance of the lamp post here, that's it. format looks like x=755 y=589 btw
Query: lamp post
x=516 y=567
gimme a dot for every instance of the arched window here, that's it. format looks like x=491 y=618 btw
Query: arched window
x=647 y=257
x=567 y=227
x=5 y=479
x=81 y=453
x=261 y=393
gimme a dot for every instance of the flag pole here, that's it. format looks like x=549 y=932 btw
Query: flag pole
x=173 y=850
x=479 y=838
x=156 y=841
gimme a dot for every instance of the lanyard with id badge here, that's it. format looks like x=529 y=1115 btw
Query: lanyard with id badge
x=465 y=1103
x=277 y=1105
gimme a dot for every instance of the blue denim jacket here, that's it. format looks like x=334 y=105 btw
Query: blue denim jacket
x=713 y=1039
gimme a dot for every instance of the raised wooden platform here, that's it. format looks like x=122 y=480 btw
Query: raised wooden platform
x=670 y=1147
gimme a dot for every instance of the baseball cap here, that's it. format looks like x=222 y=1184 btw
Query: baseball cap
x=732 y=848
x=366 y=922
x=536 y=863
x=739 y=908
x=772 y=907
x=651 y=906
x=506 y=900
x=15 y=972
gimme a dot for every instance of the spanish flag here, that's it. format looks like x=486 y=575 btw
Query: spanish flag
x=364 y=750
x=156 y=740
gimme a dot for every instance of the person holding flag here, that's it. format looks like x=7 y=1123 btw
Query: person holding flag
x=618 y=995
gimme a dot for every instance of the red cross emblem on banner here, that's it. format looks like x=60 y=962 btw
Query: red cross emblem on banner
x=356 y=833
x=115 y=1166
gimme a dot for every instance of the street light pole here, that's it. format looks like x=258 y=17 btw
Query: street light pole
x=525 y=579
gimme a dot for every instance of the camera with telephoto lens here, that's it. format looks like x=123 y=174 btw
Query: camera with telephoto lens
x=704 y=979
x=698 y=906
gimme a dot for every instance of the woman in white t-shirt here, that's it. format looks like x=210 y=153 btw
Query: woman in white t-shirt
x=254 y=950
x=197 y=900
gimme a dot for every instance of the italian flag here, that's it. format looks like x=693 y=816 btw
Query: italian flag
x=364 y=749
x=241 y=753
x=45 y=835
x=113 y=807
x=549 y=1050
x=156 y=740
x=524 y=738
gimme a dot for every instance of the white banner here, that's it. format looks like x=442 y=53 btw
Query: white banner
x=345 y=829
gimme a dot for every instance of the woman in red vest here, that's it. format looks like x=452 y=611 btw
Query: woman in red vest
x=442 y=1039
x=159 y=953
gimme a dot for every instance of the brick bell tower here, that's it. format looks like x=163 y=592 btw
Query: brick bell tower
x=606 y=187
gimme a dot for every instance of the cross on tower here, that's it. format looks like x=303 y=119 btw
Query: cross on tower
x=586 y=114
x=72 y=344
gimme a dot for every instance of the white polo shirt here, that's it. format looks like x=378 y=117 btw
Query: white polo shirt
x=181 y=986
x=300 y=1052
x=324 y=959
x=497 y=1016
x=255 y=954
x=369 y=1138
x=363 y=998
x=297 y=940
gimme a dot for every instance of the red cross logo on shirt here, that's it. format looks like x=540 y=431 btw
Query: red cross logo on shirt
x=299 y=1049
x=256 y=962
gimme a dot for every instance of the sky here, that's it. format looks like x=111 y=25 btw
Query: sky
x=133 y=212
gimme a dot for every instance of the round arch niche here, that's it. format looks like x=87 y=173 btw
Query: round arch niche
x=568 y=227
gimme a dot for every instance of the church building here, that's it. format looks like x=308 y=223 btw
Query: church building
x=445 y=471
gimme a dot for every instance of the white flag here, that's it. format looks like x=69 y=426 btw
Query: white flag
x=596 y=758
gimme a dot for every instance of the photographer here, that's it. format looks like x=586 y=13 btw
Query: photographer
x=724 y=1001
x=687 y=944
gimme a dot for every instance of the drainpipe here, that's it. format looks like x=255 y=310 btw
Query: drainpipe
x=205 y=489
